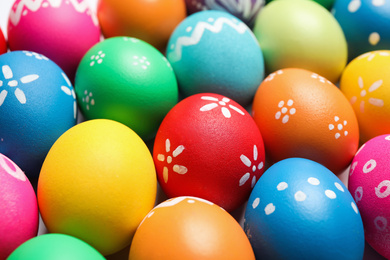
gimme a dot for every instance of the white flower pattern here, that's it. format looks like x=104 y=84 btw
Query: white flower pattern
x=245 y=160
x=176 y=168
x=224 y=106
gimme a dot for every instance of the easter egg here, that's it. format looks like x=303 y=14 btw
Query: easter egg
x=55 y=246
x=208 y=146
x=301 y=210
x=37 y=105
x=301 y=34
x=213 y=51
x=129 y=81
x=189 y=228
x=151 y=21
x=97 y=183
x=245 y=10
x=302 y=114
x=18 y=206
x=62 y=30
x=366 y=83
x=365 y=24
x=3 y=43
x=369 y=184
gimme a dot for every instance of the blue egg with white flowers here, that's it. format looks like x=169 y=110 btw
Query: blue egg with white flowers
x=215 y=52
x=365 y=24
x=300 y=210
x=37 y=105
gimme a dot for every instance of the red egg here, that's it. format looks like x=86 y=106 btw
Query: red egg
x=208 y=146
x=3 y=43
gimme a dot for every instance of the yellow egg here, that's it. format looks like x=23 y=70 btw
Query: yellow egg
x=97 y=183
x=366 y=83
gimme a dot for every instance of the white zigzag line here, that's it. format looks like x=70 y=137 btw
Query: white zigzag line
x=34 y=5
x=197 y=34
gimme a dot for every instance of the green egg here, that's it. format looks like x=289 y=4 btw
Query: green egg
x=55 y=247
x=301 y=34
x=127 y=80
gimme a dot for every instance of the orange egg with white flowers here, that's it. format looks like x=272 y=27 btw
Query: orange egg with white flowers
x=302 y=114
x=150 y=21
x=190 y=228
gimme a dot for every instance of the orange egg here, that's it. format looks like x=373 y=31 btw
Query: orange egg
x=151 y=21
x=301 y=114
x=190 y=228
x=366 y=83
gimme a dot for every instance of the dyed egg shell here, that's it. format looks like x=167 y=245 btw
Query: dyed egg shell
x=301 y=114
x=3 y=43
x=37 y=105
x=55 y=246
x=245 y=10
x=365 y=24
x=204 y=55
x=129 y=81
x=301 y=34
x=189 y=228
x=366 y=83
x=97 y=183
x=151 y=21
x=18 y=206
x=370 y=185
x=208 y=146
x=301 y=210
x=53 y=28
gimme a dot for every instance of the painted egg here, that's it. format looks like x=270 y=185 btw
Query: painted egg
x=37 y=105
x=97 y=183
x=365 y=24
x=325 y=3
x=204 y=55
x=129 y=81
x=151 y=21
x=370 y=185
x=3 y=43
x=366 y=83
x=302 y=114
x=189 y=228
x=55 y=246
x=245 y=10
x=53 y=28
x=18 y=206
x=301 y=210
x=301 y=34
x=208 y=146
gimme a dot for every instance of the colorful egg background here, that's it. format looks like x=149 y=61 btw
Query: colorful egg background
x=374 y=42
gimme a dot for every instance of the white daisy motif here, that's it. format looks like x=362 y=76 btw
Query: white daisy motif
x=338 y=127
x=176 y=168
x=272 y=75
x=8 y=79
x=373 y=101
x=371 y=55
x=245 y=160
x=88 y=99
x=98 y=58
x=130 y=39
x=286 y=110
x=321 y=79
x=35 y=55
x=68 y=90
x=141 y=61
x=224 y=106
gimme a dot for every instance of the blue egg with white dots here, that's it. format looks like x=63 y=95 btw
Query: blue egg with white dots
x=215 y=52
x=300 y=210
x=37 y=105
x=365 y=24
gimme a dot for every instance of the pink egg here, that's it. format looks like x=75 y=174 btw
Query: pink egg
x=18 y=207
x=369 y=184
x=62 y=30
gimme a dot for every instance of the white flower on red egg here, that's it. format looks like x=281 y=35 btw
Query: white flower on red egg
x=7 y=79
x=169 y=159
x=220 y=103
x=252 y=166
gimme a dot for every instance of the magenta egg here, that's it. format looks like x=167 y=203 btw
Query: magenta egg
x=63 y=31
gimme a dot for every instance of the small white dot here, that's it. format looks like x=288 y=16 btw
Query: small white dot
x=191 y=201
x=92 y=57
x=282 y=186
x=144 y=67
x=331 y=127
x=256 y=203
x=378 y=2
x=337 y=135
x=285 y=119
x=188 y=29
x=284 y=110
x=278 y=114
x=345 y=122
x=292 y=111
x=330 y=194
x=313 y=181
x=374 y=38
x=254 y=168
x=340 y=126
x=354 y=207
x=281 y=104
x=300 y=196
x=354 y=6
x=336 y=118
x=135 y=57
x=269 y=209
x=92 y=63
x=338 y=186
x=169 y=159
x=345 y=133
x=100 y=61
x=290 y=102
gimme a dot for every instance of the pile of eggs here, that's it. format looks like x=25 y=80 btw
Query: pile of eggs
x=195 y=129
